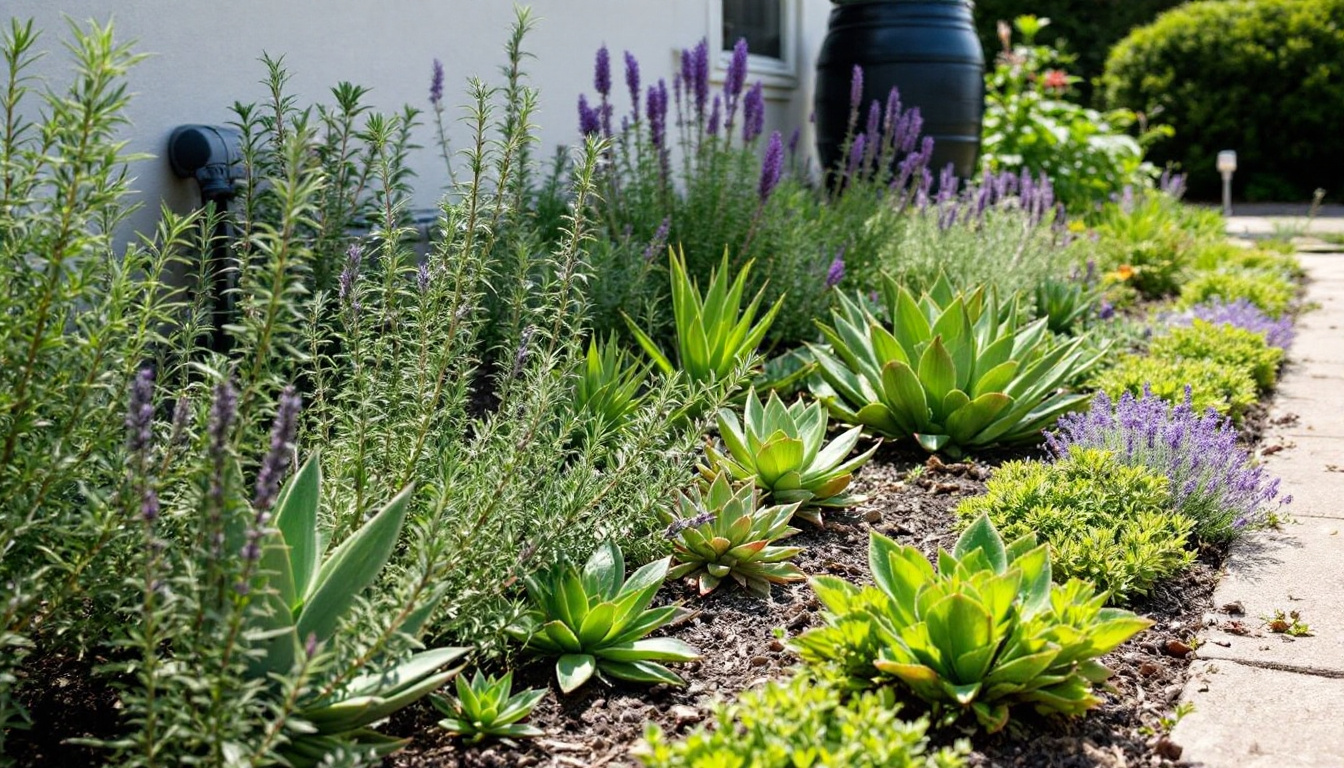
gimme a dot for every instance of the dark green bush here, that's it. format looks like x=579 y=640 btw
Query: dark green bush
x=1263 y=77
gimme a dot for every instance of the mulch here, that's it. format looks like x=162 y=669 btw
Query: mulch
x=912 y=499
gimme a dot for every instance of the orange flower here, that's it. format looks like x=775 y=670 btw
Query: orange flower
x=1124 y=272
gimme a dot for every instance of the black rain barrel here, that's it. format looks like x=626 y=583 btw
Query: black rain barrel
x=926 y=48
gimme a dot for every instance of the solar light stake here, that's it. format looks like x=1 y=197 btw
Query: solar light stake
x=1227 y=164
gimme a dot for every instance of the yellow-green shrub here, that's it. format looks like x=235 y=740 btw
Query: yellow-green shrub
x=1227 y=390
x=1265 y=290
x=1224 y=344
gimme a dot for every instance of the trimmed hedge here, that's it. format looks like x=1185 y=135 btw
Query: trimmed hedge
x=1263 y=77
x=1087 y=29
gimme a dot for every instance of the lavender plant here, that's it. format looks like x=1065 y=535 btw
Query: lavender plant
x=1240 y=313
x=1213 y=480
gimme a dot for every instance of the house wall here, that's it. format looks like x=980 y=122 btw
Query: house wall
x=204 y=57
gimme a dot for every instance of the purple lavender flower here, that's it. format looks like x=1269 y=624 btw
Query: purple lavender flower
x=149 y=506
x=632 y=80
x=771 y=166
x=736 y=76
x=1241 y=314
x=590 y=122
x=856 y=90
x=677 y=526
x=873 y=138
x=223 y=410
x=836 y=272
x=277 y=459
x=700 y=69
x=753 y=113
x=140 y=413
x=422 y=277
x=436 y=85
x=354 y=257
x=712 y=127
x=602 y=72
x=1212 y=479
x=856 y=155
x=659 y=240
x=657 y=114
x=947 y=215
x=793 y=142
x=524 y=351
x=947 y=184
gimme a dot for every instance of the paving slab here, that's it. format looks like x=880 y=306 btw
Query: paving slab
x=1300 y=568
x=1248 y=717
x=1261 y=699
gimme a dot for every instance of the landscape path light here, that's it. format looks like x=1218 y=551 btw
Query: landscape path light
x=1227 y=164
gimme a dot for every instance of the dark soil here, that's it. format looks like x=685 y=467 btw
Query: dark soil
x=912 y=499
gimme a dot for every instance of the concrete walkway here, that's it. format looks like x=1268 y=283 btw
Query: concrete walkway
x=1262 y=699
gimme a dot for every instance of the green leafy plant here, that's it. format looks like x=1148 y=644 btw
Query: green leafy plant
x=1224 y=344
x=1271 y=293
x=1286 y=623
x=783 y=450
x=1065 y=303
x=1143 y=243
x=595 y=621
x=723 y=533
x=802 y=723
x=982 y=633
x=1032 y=125
x=716 y=336
x=1219 y=256
x=954 y=372
x=607 y=388
x=487 y=707
x=310 y=597
x=1230 y=391
x=1106 y=522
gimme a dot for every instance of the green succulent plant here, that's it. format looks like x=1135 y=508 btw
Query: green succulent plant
x=724 y=533
x=783 y=451
x=595 y=621
x=984 y=631
x=954 y=371
x=607 y=388
x=1064 y=303
x=715 y=334
x=309 y=597
x=486 y=706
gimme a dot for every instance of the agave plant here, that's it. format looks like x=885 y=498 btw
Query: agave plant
x=983 y=632
x=309 y=597
x=606 y=391
x=486 y=706
x=715 y=335
x=954 y=372
x=595 y=621
x=723 y=533
x=783 y=450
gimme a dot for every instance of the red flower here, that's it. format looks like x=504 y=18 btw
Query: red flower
x=1055 y=80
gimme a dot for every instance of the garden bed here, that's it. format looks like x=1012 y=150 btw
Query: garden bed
x=912 y=499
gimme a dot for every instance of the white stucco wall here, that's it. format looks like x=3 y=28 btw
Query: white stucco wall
x=204 y=58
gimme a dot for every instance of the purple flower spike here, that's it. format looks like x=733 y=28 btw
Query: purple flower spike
x=657 y=114
x=736 y=76
x=836 y=272
x=715 y=115
x=793 y=142
x=659 y=240
x=140 y=413
x=772 y=166
x=856 y=155
x=436 y=85
x=1241 y=314
x=856 y=89
x=753 y=113
x=282 y=447
x=700 y=70
x=602 y=72
x=590 y=123
x=632 y=79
